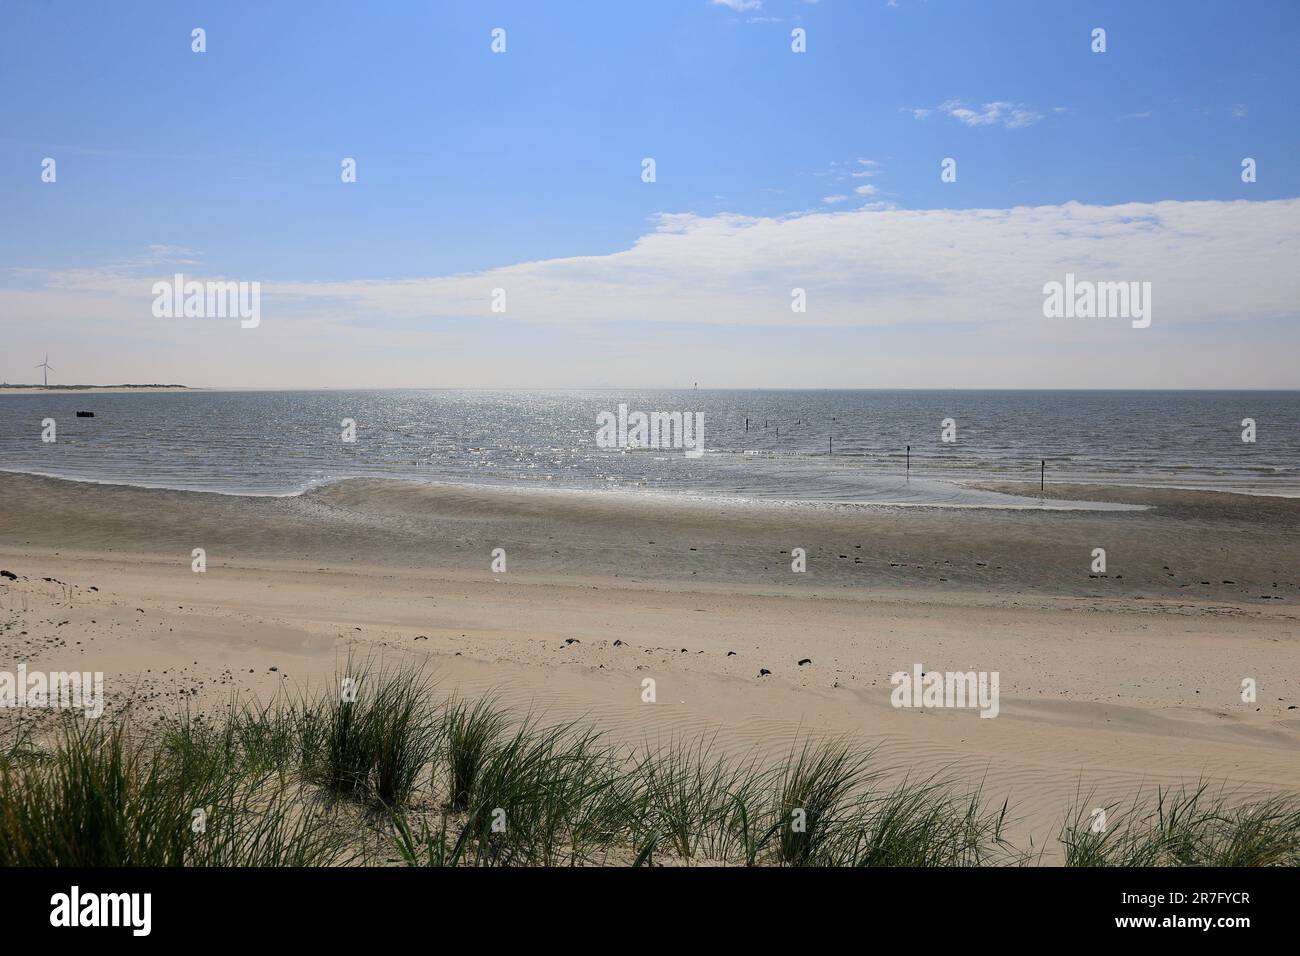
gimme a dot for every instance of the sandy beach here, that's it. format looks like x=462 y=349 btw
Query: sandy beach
x=1109 y=684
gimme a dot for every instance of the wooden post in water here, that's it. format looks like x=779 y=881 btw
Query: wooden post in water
x=909 y=461
x=746 y=424
x=832 y=441
x=1042 y=475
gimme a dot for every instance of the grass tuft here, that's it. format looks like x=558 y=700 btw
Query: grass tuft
x=1188 y=826
x=100 y=798
x=372 y=739
x=816 y=802
x=470 y=732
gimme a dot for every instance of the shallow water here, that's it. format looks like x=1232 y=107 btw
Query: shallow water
x=259 y=442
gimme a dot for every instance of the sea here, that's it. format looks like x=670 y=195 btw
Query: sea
x=896 y=447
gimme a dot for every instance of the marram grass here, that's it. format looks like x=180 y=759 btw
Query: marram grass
x=390 y=775
x=1186 y=826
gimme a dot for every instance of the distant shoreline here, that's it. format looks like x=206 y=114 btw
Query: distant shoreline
x=7 y=389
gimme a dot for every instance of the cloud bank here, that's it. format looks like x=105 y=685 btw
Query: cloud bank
x=1218 y=271
x=1205 y=261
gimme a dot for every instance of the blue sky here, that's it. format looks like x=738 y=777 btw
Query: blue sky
x=226 y=164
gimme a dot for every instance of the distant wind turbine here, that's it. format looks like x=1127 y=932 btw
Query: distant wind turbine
x=46 y=365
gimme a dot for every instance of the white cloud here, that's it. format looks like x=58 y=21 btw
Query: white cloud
x=998 y=113
x=740 y=6
x=1205 y=260
x=866 y=189
x=839 y=197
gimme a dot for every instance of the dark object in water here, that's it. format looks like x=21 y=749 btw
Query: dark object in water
x=85 y=414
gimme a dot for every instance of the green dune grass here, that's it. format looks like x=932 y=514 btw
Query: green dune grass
x=389 y=774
